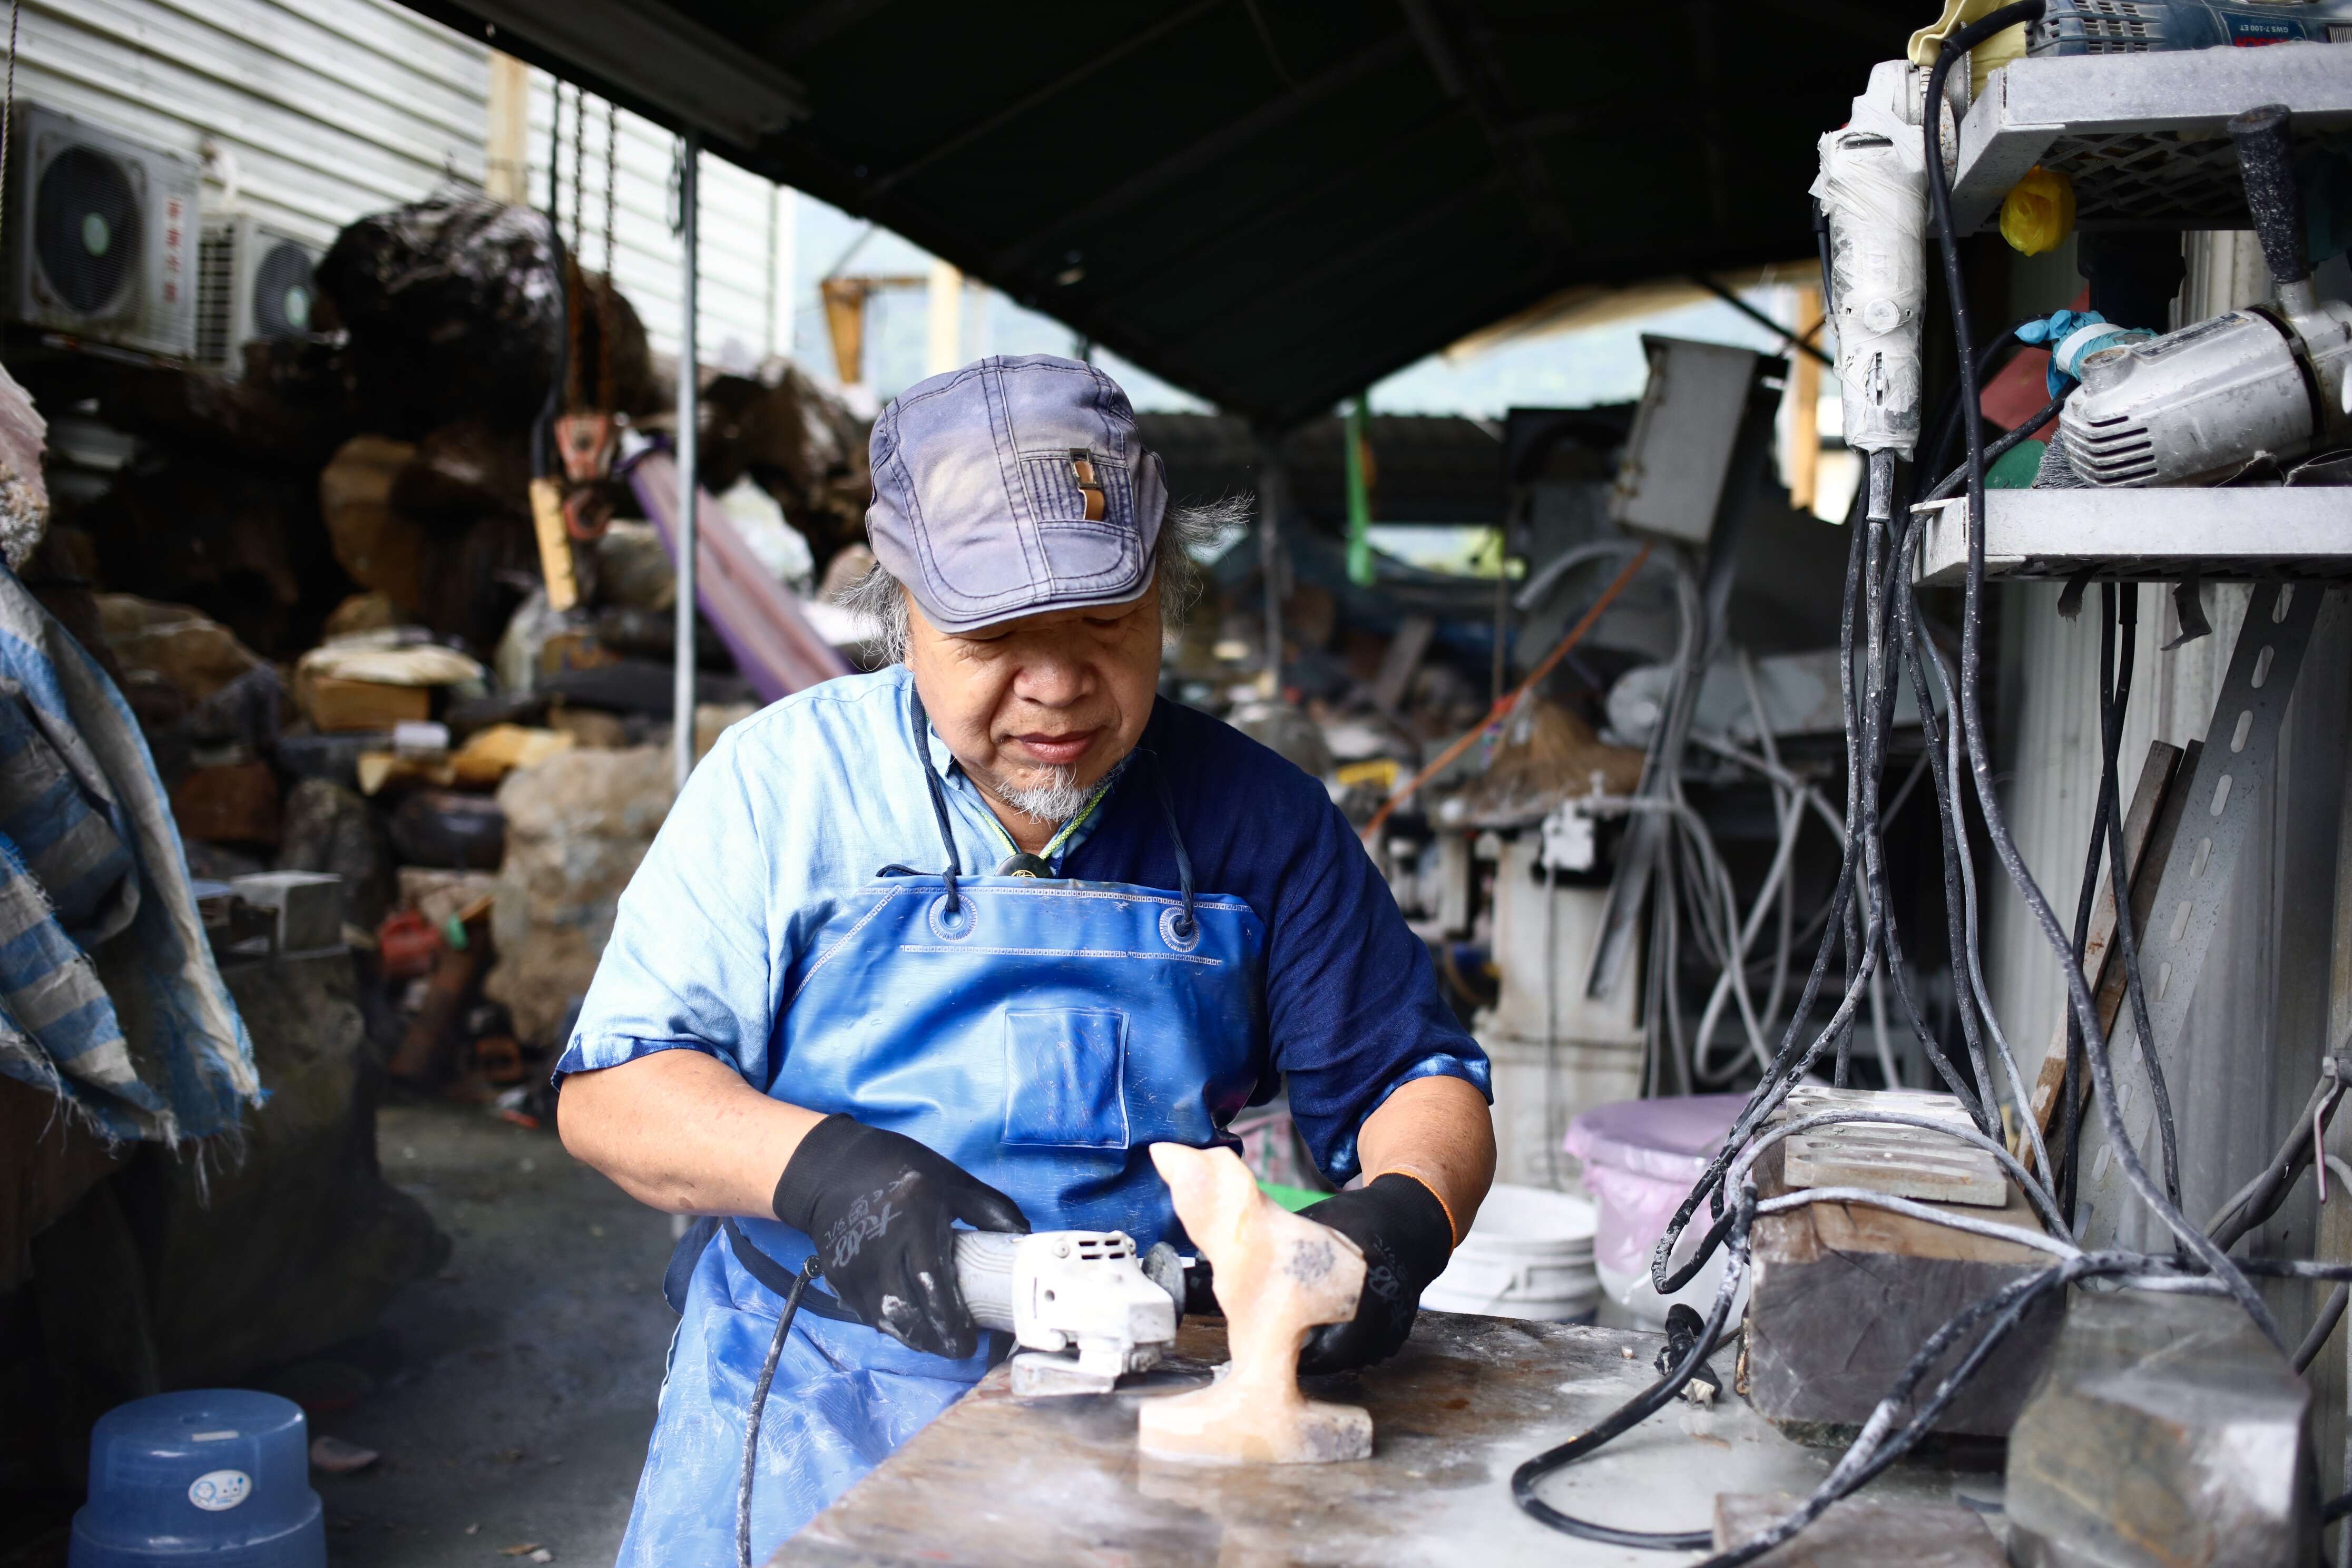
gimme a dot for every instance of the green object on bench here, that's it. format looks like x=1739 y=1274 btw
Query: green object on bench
x=1292 y=1198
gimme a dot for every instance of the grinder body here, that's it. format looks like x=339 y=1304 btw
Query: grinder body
x=2199 y=405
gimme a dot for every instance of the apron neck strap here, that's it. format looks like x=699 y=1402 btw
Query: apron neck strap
x=947 y=833
x=939 y=797
x=1176 y=842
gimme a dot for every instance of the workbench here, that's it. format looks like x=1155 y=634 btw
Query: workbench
x=997 y=1481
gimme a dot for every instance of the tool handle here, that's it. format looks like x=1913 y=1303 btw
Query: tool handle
x=2277 y=207
x=984 y=1266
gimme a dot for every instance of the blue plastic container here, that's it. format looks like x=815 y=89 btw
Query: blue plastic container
x=219 y=1477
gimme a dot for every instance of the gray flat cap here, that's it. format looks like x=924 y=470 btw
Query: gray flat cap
x=1014 y=486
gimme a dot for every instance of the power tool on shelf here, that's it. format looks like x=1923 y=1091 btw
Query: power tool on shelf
x=2198 y=406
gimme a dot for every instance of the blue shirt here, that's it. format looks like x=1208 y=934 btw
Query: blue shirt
x=800 y=806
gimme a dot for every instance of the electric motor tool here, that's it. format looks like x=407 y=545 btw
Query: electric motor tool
x=2200 y=403
x=1083 y=1307
x=2140 y=26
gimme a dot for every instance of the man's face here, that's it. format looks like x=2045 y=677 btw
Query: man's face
x=1049 y=701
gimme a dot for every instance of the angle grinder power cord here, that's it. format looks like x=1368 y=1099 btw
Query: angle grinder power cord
x=1083 y=1309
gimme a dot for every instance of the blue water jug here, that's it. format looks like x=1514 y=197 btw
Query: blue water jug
x=215 y=1476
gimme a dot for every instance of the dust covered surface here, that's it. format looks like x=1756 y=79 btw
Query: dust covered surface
x=1000 y=1481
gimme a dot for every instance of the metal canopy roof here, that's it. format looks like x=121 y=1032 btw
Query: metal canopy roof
x=1271 y=203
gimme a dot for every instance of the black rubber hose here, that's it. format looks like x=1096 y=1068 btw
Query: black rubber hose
x=2004 y=845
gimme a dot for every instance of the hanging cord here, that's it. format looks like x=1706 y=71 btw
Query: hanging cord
x=8 y=111
x=611 y=162
x=2085 y=1005
x=555 y=161
x=608 y=309
x=2118 y=636
x=579 y=167
x=758 y=1408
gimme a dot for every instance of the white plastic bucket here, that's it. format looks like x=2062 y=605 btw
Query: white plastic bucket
x=1528 y=1255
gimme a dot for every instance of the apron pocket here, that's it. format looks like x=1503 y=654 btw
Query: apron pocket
x=1066 y=1079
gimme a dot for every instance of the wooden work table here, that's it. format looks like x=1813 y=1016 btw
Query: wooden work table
x=998 y=1483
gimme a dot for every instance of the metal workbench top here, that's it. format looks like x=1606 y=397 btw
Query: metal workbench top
x=996 y=1481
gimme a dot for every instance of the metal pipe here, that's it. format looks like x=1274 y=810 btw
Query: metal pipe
x=689 y=400
x=1273 y=496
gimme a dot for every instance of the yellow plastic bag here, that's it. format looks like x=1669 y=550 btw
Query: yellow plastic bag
x=2038 y=214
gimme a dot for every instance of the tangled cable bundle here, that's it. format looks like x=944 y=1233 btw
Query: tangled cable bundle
x=1882 y=642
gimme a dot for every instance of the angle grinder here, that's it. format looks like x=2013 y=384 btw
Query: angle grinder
x=2199 y=405
x=1083 y=1309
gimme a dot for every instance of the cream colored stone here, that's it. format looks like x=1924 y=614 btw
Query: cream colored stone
x=1278 y=1275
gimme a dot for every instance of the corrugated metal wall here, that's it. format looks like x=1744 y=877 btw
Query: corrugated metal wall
x=746 y=231
x=311 y=114
x=316 y=112
x=2260 y=1018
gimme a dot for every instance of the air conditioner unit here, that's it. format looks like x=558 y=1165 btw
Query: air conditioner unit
x=253 y=280
x=101 y=235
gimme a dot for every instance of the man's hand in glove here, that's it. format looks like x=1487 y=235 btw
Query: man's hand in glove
x=1407 y=1238
x=879 y=1208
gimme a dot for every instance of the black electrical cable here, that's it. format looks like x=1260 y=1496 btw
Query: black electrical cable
x=2070 y=1090
x=1955 y=49
x=1849 y=933
x=1877 y=1452
x=758 y=1408
x=1635 y=1411
x=2260 y=1198
x=2118 y=637
x=2000 y=449
x=1783 y=1074
x=1934 y=455
x=2335 y=1508
x=1951 y=831
x=1886 y=569
x=2322 y=1328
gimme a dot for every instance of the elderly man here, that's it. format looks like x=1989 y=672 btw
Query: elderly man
x=955 y=941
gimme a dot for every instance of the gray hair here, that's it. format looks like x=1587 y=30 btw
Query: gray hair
x=1185 y=533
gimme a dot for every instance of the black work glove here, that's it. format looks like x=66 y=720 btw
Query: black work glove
x=879 y=1208
x=1406 y=1239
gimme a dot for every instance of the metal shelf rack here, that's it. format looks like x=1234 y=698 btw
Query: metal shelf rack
x=2145 y=535
x=2141 y=135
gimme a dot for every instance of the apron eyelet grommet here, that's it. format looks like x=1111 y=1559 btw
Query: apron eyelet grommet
x=954 y=924
x=1179 y=930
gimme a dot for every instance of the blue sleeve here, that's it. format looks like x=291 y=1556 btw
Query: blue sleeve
x=691 y=961
x=1352 y=1004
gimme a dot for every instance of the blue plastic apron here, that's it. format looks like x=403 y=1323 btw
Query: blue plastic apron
x=1042 y=1034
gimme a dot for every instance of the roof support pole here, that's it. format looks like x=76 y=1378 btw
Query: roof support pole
x=1273 y=498
x=689 y=429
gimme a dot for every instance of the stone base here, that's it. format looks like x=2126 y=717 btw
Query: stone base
x=1210 y=1424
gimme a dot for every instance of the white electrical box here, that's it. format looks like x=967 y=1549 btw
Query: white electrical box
x=1678 y=454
